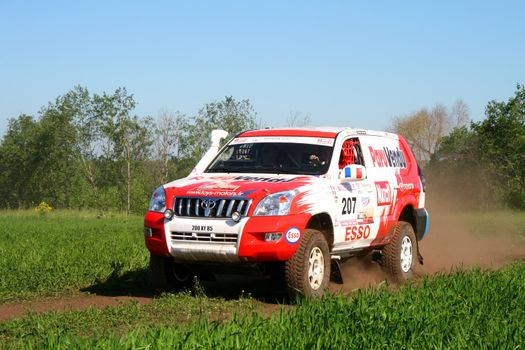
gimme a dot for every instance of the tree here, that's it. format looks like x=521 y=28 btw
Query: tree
x=460 y=114
x=487 y=160
x=229 y=114
x=457 y=175
x=423 y=130
x=297 y=119
x=87 y=134
x=502 y=145
x=126 y=138
x=169 y=130
x=56 y=168
x=17 y=151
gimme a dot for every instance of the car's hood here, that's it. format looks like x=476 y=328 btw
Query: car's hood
x=235 y=185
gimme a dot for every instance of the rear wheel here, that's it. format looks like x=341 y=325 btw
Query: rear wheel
x=308 y=271
x=399 y=256
x=167 y=275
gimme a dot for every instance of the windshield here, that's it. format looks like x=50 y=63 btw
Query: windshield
x=278 y=158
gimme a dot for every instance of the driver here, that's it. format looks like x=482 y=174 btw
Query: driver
x=319 y=159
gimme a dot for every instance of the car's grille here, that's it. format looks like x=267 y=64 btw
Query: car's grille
x=204 y=237
x=210 y=207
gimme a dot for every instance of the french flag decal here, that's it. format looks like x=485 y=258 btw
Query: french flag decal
x=358 y=173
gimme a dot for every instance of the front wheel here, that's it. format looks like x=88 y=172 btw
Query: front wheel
x=308 y=271
x=399 y=256
x=166 y=275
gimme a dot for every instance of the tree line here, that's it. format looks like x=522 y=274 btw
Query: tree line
x=475 y=164
x=86 y=150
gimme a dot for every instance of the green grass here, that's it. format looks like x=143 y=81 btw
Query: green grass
x=66 y=251
x=465 y=310
x=495 y=222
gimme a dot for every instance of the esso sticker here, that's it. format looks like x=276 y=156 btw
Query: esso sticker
x=292 y=235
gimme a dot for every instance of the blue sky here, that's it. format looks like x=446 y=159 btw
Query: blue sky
x=346 y=63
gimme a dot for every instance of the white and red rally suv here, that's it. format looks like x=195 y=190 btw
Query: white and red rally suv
x=297 y=198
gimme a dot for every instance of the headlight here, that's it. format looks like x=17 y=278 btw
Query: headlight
x=158 y=200
x=275 y=204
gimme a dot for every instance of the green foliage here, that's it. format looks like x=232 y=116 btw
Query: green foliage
x=229 y=114
x=456 y=171
x=502 y=145
x=487 y=161
x=18 y=151
x=89 y=151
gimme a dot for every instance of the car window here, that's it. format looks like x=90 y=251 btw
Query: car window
x=278 y=157
x=351 y=153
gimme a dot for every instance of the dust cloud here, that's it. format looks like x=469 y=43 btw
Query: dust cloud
x=467 y=239
x=457 y=239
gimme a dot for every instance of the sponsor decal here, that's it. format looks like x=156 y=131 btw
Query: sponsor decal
x=384 y=195
x=406 y=187
x=213 y=193
x=357 y=232
x=345 y=187
x=348 y=205
x=224 y=186
x=365 y=201
x=263 y=179
x=239 y=140
x=358 y=173
x=292 y=235
x=325 y=141
x=361 y=220
x=387 y=157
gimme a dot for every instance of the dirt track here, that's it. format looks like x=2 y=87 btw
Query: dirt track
x=449 y=244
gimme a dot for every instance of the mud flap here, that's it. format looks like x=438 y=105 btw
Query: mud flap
x=335 y=272
x=419 y=256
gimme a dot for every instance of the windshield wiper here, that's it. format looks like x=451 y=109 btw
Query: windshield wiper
x=280 y=170
x=221 y=170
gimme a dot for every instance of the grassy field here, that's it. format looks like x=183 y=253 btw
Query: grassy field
x=496 y=222
x=464 y=310
x=69 y=252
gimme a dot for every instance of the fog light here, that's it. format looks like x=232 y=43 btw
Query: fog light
x=168 y=214
x=272 y=237
x=236 y=216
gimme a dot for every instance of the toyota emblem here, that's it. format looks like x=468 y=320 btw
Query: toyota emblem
x=208 y=203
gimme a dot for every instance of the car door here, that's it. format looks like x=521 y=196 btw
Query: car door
x=354 y=212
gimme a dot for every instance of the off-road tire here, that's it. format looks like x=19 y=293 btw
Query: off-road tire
x=313 y=246
x=399 y=257
x=166 y=275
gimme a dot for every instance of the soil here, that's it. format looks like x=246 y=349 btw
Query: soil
x=73 y=303
x=450 y=244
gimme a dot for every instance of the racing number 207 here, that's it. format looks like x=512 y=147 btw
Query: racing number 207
x=349 y=205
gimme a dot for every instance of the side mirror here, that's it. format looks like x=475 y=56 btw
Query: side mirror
x=352 y=172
